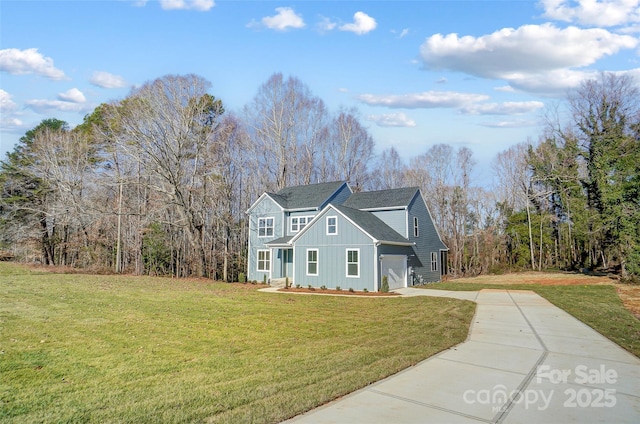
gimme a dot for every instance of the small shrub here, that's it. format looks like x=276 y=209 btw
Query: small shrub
x=351 y=290
x=365 y=290
x=298 y=286
x=264 y=279
x=286 y=282
x=323 y=287
x=254 y=282
x=242 y=278
x=385 y=284
x=338 y=288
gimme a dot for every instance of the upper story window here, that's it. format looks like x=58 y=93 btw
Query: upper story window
x=299 y=222
x=416 y=230
x=265 y=227
x=332 y=225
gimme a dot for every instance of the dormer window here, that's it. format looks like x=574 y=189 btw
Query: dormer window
x=299 y=222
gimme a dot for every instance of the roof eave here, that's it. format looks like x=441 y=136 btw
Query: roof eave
x=394 y=243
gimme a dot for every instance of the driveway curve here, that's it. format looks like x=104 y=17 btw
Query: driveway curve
x=524 y=361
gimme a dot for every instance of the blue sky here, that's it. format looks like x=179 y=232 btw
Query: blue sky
x=480 y=74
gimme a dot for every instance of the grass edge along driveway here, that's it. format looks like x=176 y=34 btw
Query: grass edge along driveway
x=87 y=348
x=597 y=305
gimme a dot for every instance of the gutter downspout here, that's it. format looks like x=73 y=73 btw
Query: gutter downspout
x=376 y=266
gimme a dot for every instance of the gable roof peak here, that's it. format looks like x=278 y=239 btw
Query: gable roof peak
x=310 y=196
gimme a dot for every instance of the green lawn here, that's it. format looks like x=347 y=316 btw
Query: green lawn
x=85 y=348
x=598 y=306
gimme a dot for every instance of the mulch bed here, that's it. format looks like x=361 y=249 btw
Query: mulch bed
x=332 y=291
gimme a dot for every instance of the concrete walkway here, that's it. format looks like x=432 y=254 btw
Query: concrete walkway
x=525 y=361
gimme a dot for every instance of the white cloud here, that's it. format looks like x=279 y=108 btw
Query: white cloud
x=505 y=108
x=29 y=61
x=45 y=106
x=73 y=95
x=401 y=34
x=362 y=24
x=107 y=80
x=199 y=5
x=552 y=83
x=505 y=89
x=513 y=54
x=8 y=114
x=593 y=12
x=6 y=104
x=518 y=123
x=72 y=100
x=10 y=124
x=429 y=99
x=285 y=19
x=325 y=24
x=392 y=120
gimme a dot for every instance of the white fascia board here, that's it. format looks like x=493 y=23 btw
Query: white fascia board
x=322 y=212
x=394 y=243
x=265 y=194
x=386 y=208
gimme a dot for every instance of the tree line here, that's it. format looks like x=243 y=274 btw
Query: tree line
x=158 y=182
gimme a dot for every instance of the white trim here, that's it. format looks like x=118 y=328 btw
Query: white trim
x=327 y=225
x=307 y=220
x=266 y=261
x=262 y=196
x=273 y=226
x=384 y=208
x=416 y=227
x=436 y=261
x=376 y=267
x=317 y=262
x=347 y=250
x=373 y=239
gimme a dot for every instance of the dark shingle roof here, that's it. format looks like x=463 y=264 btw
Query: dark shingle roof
x=397 y=197
x=280 y=241
x=372 y=225
x=306 y=196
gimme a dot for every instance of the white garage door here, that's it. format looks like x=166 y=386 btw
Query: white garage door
x=395 y=268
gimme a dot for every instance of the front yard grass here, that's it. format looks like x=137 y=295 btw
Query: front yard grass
x=595 y=303
x=85 y=348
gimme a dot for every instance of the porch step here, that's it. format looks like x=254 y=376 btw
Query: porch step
x=280 y=282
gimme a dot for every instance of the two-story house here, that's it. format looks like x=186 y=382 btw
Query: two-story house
x=324 y=234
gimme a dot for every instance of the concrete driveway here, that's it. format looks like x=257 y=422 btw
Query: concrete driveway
x=525 y=361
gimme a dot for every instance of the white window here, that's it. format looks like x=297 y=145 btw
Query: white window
x=353 y=263
x=265 y=227
x=416 y=231
x=312 y=261
x=299 y=222
x=332 y=225
x=264 y=260
x=434 y=261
